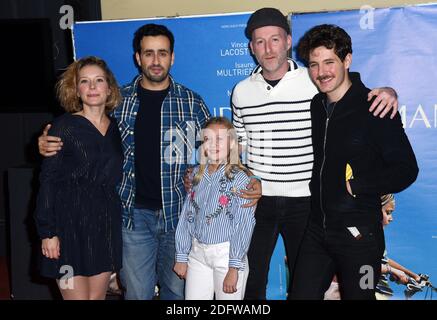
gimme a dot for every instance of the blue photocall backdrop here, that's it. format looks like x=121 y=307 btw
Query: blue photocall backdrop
x=212 y=55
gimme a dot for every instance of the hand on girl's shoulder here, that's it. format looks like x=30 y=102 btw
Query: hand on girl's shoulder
x=241 y=179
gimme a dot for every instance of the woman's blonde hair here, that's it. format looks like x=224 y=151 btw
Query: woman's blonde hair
x=233 y=163
x=66 y=88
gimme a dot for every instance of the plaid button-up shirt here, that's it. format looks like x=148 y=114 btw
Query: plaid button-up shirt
x=183 y=114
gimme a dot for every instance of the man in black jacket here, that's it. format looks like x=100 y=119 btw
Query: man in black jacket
x=357 y=158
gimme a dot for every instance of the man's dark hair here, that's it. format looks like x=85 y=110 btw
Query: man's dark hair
x=153 y=30
x=325 y=35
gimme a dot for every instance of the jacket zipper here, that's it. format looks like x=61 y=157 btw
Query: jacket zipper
x=323 y=161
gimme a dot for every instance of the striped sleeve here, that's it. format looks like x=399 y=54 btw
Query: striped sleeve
x=183 y=236
x=244 y=219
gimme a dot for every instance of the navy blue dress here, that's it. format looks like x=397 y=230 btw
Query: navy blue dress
x=78 y=201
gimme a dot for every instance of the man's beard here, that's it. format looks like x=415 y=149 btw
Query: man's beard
x=156 y=78
x=273 y=66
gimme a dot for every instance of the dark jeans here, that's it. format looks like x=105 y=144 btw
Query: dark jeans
x=356 y=262
x=274 y=215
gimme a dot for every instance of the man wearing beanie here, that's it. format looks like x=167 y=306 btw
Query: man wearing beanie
x=271 y=114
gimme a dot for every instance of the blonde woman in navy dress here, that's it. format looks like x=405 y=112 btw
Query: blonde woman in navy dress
x=214 y=230
x=78 y=214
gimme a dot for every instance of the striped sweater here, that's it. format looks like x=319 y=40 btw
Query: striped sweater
x=274 y=126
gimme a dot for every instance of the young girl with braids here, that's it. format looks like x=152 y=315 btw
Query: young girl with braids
x=214 y=229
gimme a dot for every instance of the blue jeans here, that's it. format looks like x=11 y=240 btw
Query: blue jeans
x=148 y=259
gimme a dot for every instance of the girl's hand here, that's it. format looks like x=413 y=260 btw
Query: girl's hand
x=51 y=248
x=180 y=268
x=230 y=282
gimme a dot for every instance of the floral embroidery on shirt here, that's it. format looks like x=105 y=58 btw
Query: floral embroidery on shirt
x=224 y=201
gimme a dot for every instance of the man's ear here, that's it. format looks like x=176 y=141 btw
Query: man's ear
x=137 y=57
x=172 y=58
x=347 y=61
x=251 y=47
x=288 y=42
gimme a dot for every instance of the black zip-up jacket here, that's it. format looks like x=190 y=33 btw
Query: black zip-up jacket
x=377 y=150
